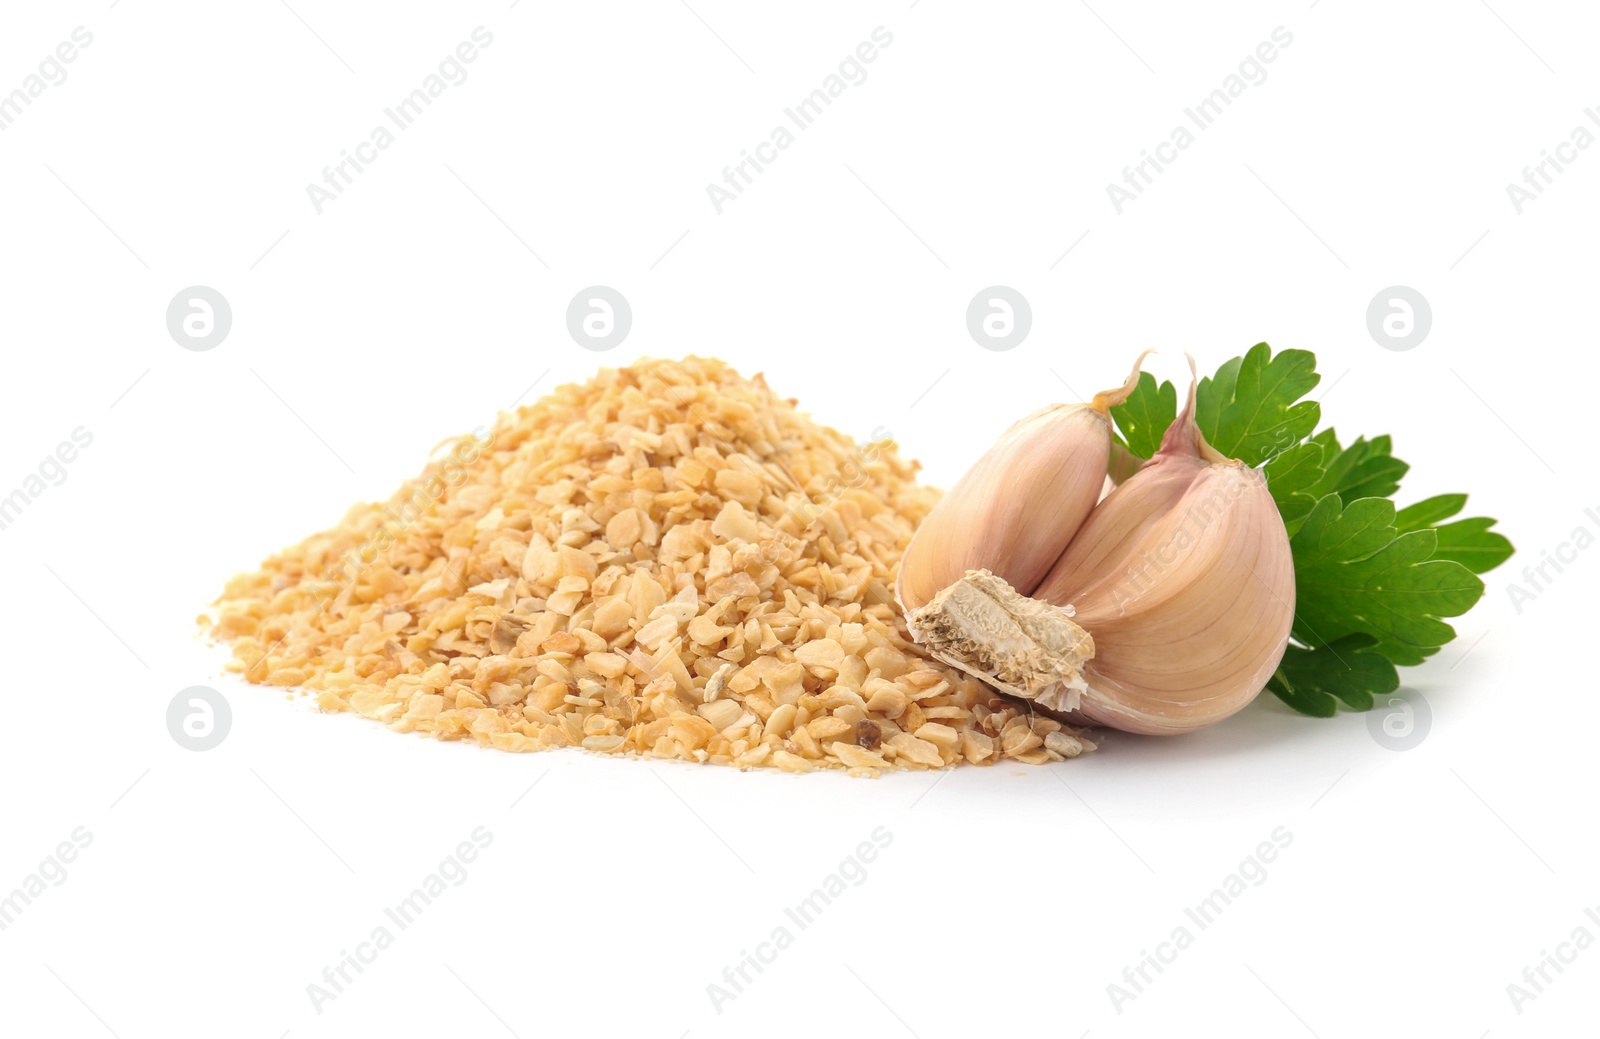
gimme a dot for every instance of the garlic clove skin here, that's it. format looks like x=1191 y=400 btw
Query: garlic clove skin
x=1191 y=622
x=1016 y=509
x=1131 y=507
x=1121 y=519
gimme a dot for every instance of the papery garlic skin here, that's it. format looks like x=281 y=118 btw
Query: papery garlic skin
x=1017 y=508
x=1192 y=617
x=1168 y=609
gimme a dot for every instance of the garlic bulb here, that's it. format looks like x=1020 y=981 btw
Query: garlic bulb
x=1016 y=509
x=1168 y=610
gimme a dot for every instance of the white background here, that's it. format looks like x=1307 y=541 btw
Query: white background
x=432 y=294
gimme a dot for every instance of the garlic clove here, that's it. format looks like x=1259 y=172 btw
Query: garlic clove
x=1018 y=507
x=1167 y=611
x=1192 y=623
x=1185 y=579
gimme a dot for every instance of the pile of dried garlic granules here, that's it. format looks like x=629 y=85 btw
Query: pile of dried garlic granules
x=667 y=560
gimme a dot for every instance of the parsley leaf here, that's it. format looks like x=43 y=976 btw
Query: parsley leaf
x=1365 y=469
x=1354 y=572
x=1249 y=409
x=1313 y=681
x=1144 y=417
x=1291 y=477
x=1429 y=511
x=1469 y=542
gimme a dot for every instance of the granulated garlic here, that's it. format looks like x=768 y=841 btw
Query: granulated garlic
x=667 y=560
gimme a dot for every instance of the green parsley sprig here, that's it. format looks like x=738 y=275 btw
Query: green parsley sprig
x=1373 y=583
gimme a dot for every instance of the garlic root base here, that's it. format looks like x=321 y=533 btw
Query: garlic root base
x=1021 y=646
